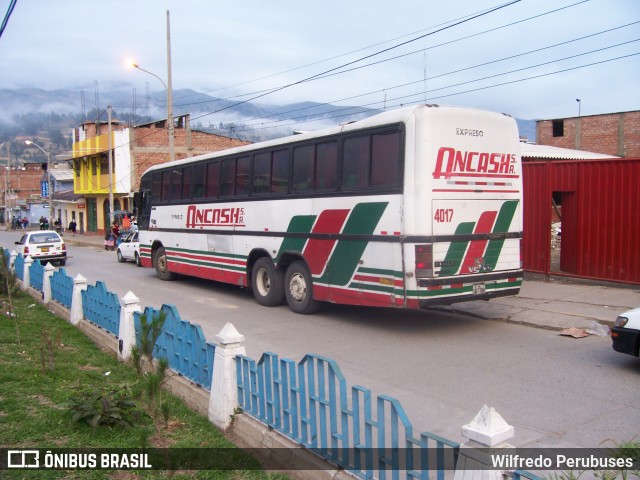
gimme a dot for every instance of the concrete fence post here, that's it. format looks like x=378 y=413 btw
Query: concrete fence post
x=12 y=260
x=127 y=330
x=46 y=283
x=488 y=430
x=223 y=400
x=79 y=284
x=26 y=277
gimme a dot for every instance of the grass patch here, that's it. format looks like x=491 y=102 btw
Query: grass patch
x=45 y=367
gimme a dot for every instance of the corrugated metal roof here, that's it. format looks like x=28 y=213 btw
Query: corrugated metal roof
x=62 y=175
x=532 y=150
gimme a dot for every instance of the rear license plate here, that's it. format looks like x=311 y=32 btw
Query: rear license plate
x=479 y=288
x=44 y=249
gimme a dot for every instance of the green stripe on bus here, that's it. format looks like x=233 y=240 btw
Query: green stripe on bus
x=297 y=224
x=381 y=272
x=456 y=251
x=347 y=253
x=505 y=216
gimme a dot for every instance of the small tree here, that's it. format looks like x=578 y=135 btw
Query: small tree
x=8 y=288
x=154 y=375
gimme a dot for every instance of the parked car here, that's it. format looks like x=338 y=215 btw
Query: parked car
x=626 y=332
x=43 y=245
x=129 y=249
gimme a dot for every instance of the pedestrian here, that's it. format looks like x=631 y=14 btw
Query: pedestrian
x=25 y=222
x=73 y=226
x=41 y=222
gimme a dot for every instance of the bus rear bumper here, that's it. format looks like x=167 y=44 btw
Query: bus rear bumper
x=449 y=300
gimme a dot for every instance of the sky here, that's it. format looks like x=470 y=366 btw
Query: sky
x=532 y=59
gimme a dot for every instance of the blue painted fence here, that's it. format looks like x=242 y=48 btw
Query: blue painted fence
x=62 y=287
x=36 y=275
x=101 y=307
x=183 y=344
x=18 y=267
x=309 y=403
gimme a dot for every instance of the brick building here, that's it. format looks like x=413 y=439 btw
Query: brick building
x=615 y=134
x=134 y=149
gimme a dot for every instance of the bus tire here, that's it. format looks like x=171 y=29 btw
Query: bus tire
x=298 y=289
x=160 y=264
x=267 y=283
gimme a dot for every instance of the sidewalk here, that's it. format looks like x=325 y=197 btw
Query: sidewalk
x=560 y=303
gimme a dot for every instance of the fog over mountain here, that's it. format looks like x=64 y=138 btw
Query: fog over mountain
x=252 y=121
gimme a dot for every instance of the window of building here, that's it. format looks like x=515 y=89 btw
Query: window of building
x=558 y=128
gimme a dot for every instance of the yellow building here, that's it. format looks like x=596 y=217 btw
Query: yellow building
x=91 y=173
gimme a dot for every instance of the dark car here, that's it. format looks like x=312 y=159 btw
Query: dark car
x=625 y=333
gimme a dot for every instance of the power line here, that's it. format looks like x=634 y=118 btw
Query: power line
x=421 y=93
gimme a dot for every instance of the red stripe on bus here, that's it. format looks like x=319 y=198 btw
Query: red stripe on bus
x=477 y=247
x=317 y=251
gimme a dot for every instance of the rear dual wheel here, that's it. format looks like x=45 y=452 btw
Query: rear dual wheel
x=298 y=289
x=267 y=283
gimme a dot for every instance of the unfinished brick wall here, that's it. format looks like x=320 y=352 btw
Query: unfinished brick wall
x=150 y=146
x=611 y=134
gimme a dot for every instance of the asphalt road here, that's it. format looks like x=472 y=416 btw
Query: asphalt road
x=442 y=367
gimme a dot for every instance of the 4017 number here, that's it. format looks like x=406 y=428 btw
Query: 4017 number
x=444 y=215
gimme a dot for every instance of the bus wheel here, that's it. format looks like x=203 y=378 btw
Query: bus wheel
x=298 y=289
x=267 y=283
x=162 y=269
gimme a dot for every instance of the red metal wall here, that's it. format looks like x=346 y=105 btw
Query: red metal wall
x=600 y=217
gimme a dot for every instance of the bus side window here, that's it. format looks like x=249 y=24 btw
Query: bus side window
x=186 y=183
x=280 y=172
x=303 y=167
x=199 y=180
x=261 y=172
x=385 y=159
x=228 y=177
x=166 y=186
x=327 y=166
x=156 y=187
x=242 y=175
x=213 y=177
x=355 y=162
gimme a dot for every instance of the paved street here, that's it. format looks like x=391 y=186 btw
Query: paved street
x=442 y=364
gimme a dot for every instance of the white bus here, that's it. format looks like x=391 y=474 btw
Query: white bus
x=408 y=208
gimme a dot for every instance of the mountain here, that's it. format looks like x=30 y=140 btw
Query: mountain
x=255 y=121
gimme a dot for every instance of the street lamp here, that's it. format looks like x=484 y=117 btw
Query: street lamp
x=48 y=154
x=172 y=155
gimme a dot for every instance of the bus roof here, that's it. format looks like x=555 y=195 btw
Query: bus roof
x=399 y=115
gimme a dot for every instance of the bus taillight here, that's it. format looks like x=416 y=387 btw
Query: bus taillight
x=424 y=260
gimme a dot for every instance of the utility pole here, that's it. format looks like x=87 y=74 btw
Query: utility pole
x=110 y=147
x=172 y=152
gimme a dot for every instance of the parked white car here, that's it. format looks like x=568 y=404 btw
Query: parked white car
x=129 y=249
x=43 y=245
x=626 y=332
